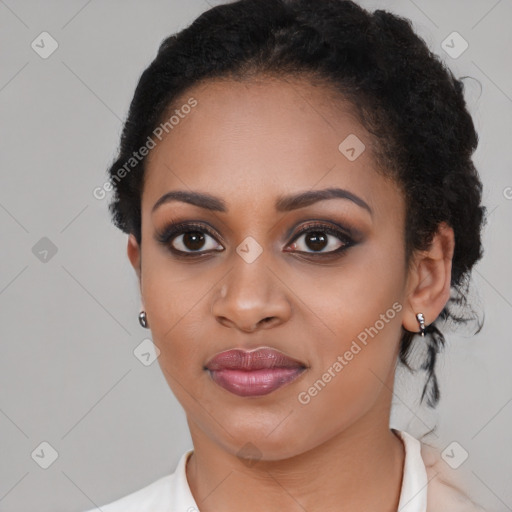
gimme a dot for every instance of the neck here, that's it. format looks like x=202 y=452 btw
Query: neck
x=358 y=469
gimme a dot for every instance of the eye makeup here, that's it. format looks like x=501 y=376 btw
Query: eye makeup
x=201 y=231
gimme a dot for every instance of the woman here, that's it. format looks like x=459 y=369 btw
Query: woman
x=295 y=177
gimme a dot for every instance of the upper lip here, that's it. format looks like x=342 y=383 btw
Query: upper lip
x=240 y=359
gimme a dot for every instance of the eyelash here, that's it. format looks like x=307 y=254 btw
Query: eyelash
x=173 y=230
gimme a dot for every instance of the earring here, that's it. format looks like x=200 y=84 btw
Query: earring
x=421 y=321
x=143 y=319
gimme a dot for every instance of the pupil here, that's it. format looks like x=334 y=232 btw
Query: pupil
x=316 y=240
x=193 y=240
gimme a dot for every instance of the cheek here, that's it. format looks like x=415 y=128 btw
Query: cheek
x=177 y=308
x=354 y=326
x=350 y=374
x=345 y=300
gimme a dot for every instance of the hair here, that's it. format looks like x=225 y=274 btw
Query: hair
x=410 y=102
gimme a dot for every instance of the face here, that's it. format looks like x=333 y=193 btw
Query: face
x=321 y=280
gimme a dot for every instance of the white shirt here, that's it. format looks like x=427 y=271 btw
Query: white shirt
x=424 y=479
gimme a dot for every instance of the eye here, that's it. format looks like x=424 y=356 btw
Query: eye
x=322 y=239
x=189 y=239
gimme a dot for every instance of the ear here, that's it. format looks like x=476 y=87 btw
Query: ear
x=428 y=283
x=133 y=251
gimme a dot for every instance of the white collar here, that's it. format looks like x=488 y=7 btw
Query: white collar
x=413 y=495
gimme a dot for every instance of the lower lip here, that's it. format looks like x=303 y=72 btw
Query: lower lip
x=254 y=382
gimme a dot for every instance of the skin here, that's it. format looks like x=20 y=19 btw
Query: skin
x=248 y=143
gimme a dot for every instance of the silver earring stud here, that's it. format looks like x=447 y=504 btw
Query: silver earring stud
x=421 y=321
x=143 y=319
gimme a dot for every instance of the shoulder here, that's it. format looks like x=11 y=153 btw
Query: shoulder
x=168 y=493
x=446 y=486
x=140 y=500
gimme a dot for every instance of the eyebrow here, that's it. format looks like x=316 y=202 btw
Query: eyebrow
x=283 y=203
x=295 y=201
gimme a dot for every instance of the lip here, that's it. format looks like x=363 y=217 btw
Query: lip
x=253 y=373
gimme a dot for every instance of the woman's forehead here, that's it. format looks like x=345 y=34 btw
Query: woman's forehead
x=278 y=132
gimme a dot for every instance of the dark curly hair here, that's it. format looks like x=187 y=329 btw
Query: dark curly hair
x=403 y=94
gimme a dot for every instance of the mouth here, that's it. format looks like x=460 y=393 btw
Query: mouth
x=253 y=373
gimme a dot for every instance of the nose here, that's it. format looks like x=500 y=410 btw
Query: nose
x=251 y=297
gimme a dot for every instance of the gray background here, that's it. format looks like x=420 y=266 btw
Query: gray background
x=68 y=374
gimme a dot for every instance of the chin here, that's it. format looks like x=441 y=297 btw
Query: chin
x=261 y=442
